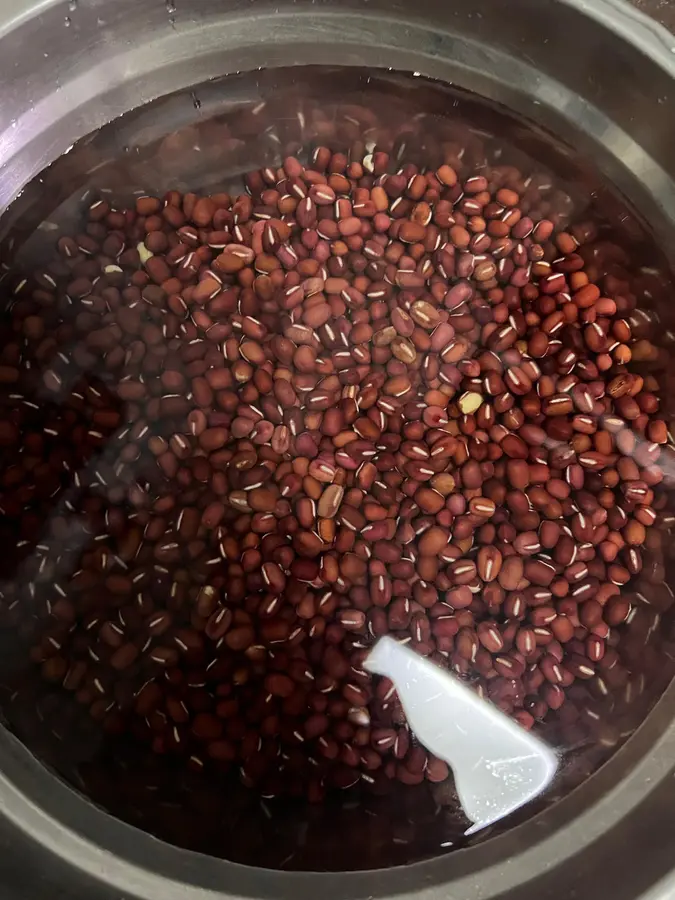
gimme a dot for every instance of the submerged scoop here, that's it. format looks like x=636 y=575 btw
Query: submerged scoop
x=497 y=765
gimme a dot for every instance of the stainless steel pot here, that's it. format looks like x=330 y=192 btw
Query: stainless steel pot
x=596 y=74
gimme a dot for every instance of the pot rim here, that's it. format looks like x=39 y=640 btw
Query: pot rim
x=65 y=823
x=81 y=102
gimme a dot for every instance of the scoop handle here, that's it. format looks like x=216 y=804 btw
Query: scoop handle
x=497 y=765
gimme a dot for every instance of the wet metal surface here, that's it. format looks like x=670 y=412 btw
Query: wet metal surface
x=661 y=10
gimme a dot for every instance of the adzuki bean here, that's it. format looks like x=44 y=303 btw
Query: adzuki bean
x=360 y=398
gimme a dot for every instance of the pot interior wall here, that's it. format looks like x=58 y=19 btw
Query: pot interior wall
x=205 y=140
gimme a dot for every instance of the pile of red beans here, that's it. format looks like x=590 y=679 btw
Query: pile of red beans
x=242 y=437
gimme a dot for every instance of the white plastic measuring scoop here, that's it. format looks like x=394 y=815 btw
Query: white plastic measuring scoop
x=498 y=766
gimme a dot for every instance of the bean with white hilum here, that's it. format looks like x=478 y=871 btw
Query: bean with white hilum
x=350 y=401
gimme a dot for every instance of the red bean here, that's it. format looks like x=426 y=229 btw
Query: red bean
x=355 y=399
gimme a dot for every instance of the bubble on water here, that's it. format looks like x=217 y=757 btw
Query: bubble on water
x=67 y=22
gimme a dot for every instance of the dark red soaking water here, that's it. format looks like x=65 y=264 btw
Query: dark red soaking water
x=312 y=366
